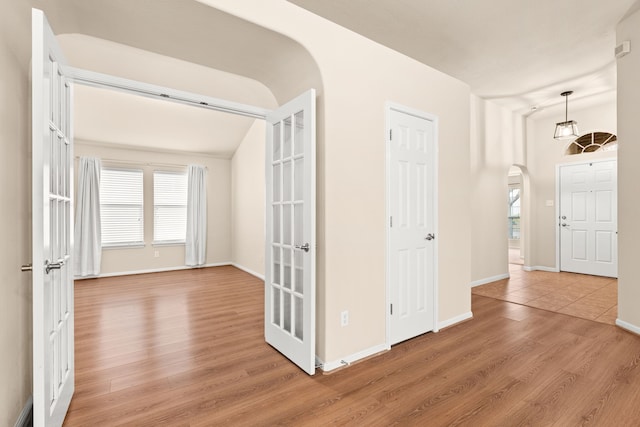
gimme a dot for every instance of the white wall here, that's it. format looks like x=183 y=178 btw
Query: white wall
x=125 y=260
x=358 y=77
x=15 y=213
x=629 y=173
x=248 y=201
x=496 y=144
x=543 y=155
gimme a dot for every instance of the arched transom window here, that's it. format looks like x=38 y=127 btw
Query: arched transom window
x=594 y=141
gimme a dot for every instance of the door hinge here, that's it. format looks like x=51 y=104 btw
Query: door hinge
x=391 y=309
x=390 y=134
x=390 y=221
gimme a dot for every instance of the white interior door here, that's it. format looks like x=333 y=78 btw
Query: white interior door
x=588 y=223
x=290 y=238
x=412 y=228
x=52 y=151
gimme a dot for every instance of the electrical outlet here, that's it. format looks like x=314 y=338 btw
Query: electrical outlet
x=344 y=318
x=156 y=254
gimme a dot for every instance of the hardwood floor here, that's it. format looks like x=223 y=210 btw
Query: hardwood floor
x=186 y=349
x=580 y=295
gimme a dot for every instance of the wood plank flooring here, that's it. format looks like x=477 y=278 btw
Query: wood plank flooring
x=580 y=295
x=186 y=349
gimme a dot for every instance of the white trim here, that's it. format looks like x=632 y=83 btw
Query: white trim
x=541 y=268
x=557 y=217
x=389 y=107
x=450 y=322
x=154 y=270
x=92 y=78
x=489 y=280
x=348 y=360
x=26 y=417
x=628 y=326
x=247 y=270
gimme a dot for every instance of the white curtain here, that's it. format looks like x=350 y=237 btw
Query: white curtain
x=88 y=239
x=196 y=239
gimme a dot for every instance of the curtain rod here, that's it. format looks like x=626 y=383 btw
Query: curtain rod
x=135 y=163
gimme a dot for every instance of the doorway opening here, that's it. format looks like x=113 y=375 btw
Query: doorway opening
x=517 y=204
x=514 y=216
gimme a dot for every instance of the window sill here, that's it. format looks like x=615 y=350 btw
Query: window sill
x=125 y=246
x=176 y=243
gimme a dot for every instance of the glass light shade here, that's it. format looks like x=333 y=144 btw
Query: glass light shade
x=566 y=130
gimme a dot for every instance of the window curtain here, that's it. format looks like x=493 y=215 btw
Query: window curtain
x=88 y=238
x=196 y=238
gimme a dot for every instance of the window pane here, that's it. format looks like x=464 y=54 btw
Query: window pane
x=169 y=206
x=121 y=206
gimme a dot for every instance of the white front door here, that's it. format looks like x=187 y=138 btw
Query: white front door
x=52 y=150
x=290 y=238
x=588 y=223
x=412 y=230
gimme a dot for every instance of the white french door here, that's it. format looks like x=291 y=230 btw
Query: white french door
x=52 y=151
x=290 y=238
x=588 y=223
x=412 y=229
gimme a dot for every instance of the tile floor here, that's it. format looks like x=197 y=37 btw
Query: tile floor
x=514 y=256
x=578 y=295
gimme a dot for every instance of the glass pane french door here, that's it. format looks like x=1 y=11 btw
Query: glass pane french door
x=290 y=246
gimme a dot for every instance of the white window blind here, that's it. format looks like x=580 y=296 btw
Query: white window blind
x=169 y=207
x=121 y=207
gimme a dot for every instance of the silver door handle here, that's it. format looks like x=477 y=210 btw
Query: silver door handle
x=565 y=225
x=304 y=247
x=54 y=265
x=430 y=236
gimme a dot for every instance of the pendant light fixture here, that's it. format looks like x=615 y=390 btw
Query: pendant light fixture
x=568 y=128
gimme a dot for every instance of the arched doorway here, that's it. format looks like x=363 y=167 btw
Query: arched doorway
x=517 y=210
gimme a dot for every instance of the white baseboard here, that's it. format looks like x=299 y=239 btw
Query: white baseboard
x=541 y=268
x=489 y=280
x=247 y=270
x=628 y=326
x=26 y=416
x=346 y=361
x=454 y=320
x=153 y=270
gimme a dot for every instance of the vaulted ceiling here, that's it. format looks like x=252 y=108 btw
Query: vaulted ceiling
x=180 y=44
x=518 y=54
x=521 y=54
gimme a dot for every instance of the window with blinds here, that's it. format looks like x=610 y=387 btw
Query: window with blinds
x=121 y=207
x=169 y=207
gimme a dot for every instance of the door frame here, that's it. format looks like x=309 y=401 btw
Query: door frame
x=388 y=109
x=135 y=87
x=100 y=80
x=558 y=267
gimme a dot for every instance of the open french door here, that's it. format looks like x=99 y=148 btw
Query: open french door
x=52 y=231
x=290 y=238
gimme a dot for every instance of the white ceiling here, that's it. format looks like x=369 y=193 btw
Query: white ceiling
x=521 y=54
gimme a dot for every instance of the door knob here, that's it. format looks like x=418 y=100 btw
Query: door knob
x=430 y=236
x=304 y=247
x=564 y=224
x=54 y=265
